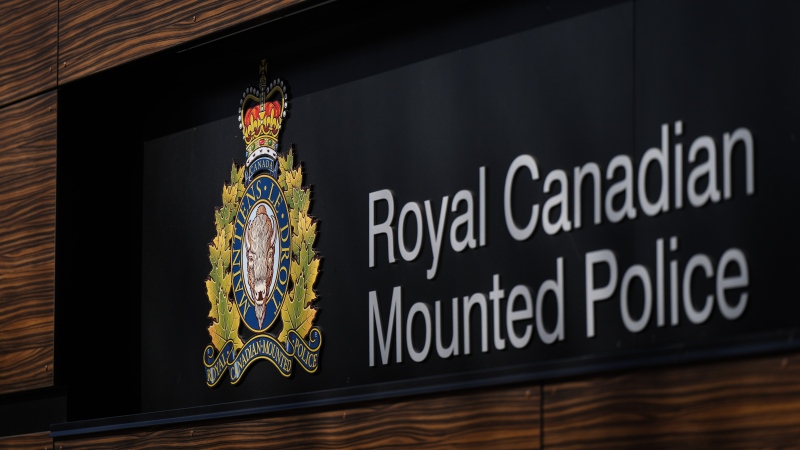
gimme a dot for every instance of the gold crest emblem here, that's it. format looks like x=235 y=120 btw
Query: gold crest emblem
x=263 y=262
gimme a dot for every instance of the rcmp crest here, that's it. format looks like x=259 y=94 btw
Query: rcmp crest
x=263 y=263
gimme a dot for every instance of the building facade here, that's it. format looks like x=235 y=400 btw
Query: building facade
x=340 y=224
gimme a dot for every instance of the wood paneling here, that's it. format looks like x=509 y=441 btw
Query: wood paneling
x=94 y=36
x=28 y=46
x=502 y=418
x=27 y=242
x=38 y=441
x=750 y=403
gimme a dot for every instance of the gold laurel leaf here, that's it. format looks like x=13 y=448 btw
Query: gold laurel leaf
x=311 y=278
x=213 y=253
x=297 y=313
x=225 y=316
x=211 y=292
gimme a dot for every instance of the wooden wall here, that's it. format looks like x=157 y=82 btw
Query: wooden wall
x=744 y=403
x=748 y=403
x=27 y=193
x=96 y=36
x=40 y=441
x=27 y=242
x=28 y=48
x=498 y=418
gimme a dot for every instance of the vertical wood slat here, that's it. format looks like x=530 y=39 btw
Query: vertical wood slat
x=28 y=48
x=504 y=418
x=39 y=441
x=749 y=403
x=94 y=36
x=27 y=243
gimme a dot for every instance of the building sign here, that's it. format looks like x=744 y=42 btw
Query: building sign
x=520 y=207
x=656 y=292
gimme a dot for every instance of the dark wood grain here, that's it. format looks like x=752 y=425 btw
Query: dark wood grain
x=27 y=242
x=94 y=36
x=28 y=48
x=747 y=404
x=38 y=441
x=504 y=418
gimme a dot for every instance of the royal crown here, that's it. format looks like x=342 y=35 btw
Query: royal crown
x=261 y=114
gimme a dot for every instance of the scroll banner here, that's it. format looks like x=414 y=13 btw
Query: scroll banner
x=264 y=346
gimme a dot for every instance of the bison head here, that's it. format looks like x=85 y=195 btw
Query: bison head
x=260 y=245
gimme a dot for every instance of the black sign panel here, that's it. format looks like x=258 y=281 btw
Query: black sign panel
x=537 y=199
